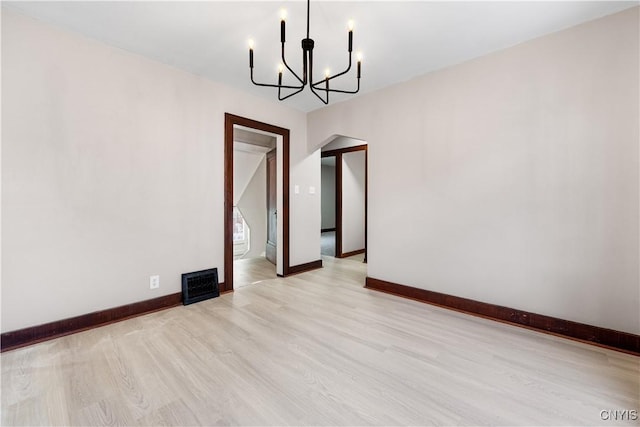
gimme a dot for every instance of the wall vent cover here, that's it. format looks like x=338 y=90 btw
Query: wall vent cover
x=200 y=285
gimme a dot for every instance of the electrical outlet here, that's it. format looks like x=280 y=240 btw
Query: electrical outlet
x=154 y=282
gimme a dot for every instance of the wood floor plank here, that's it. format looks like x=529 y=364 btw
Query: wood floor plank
x=314 y=349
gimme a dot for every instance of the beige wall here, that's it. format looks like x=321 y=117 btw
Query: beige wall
x=112 y=171
x=519 y=170
x=520 y=167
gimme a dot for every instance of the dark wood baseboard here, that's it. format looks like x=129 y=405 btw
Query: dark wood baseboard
x=608 y=338
x=325 y=230
x=352 y=253
x=313 y=265
x=35 y=334
x=223 y=288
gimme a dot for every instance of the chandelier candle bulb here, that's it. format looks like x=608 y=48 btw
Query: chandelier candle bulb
x=251 y=43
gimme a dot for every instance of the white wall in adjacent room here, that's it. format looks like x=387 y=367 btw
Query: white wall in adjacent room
x=245 y=165
x=253 y=205
x=328 y=180
x=353 y=200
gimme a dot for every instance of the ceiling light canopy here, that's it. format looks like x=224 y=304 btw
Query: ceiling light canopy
x=320 y=88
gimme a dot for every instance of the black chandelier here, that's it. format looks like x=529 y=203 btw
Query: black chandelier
x=321 y=86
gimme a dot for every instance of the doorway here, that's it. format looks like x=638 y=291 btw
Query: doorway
x=254 y=206
x=281 y=184
x=344 y=164
x=271 y=251
x=328 y=205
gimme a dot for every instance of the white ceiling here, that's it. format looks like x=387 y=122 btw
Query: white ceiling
x=250 y=141
x=400 y=39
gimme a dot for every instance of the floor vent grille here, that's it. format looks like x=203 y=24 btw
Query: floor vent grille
x=200 y=285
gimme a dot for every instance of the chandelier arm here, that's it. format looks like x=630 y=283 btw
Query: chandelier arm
x=333 y=77
x=342 y=91
x=276 y=86
x=280 y=98
x=311 y=80
x=324 y=89
x=284 y=61
x=272 y=85
x=319 y=97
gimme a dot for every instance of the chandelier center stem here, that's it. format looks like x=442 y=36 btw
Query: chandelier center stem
x=308 y=6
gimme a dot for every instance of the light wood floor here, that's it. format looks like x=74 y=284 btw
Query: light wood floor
x=252 y=271
x=314 y=349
